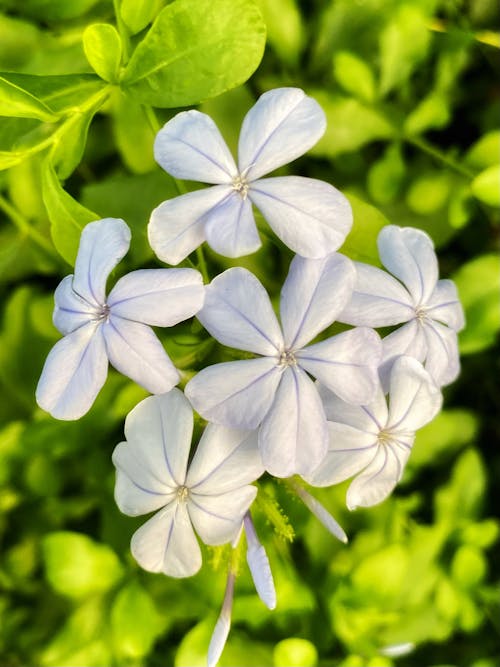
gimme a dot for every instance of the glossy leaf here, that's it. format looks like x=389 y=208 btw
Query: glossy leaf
x=103 y=49
x=15 y=101
x=136 y=14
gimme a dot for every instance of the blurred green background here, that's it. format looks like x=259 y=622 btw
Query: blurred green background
x=411 y=92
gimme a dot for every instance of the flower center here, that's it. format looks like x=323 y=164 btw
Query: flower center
x=102 y=313
x=384 y=437
x=420 y=314
x=182 y=494
x=287 y=358
x=241 y=185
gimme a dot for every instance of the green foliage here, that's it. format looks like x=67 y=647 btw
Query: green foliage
x=103 y=49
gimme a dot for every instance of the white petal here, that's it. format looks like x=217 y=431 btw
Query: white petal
x=442 y=361
x=191 y=147
x=371 y=418
x=230 y=228
x=378 y=299
x=347 y=364
x=158 y=432
x=379 y=478
x=321 y=513
x=282 y=125
x=177 y=226
x=408 y=253
x=102 y=245
x=260 y=569
x=314 y=292
x=293 y=437
x=237 y=394
x=350 y=450
x=408 y=339
x=225 y=459
x=217 y=519
x=444 y=305
x=71 y=311
x=414 y=399
x=311 y=217
x=135 y=496
x=161 y=297
x=223 y=625
x=167 y=543
x=238 y=313
x=74 y=372
x=135 y=351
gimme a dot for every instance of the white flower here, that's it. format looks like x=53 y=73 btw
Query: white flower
x=97 y=329
x=430 y=307
x=259 y=566
x=152 y=473
x=274 y=391
x=375 y=440
x=310 y=217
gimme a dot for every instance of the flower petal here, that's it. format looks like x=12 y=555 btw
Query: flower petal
x=134 y=496
x=378 y=299
x=217 y=519
x=237 y=394
x=408 y=339
x=135 y=351
x=379 y=478
x=350 y=450
x=102 y=245
x=71 y=311
x=442 y=360
x=311 y=217
x=282 y=125
x=293 y=436
x=408 y=253
x=238 y=313
x=347 y=364
x=177 y=226
x=167 y=543
x=259 y=566
x=225 y=459
x=371 y=418
x=414 y=399
x=158 y=432
x=161 y=297
x=190 y=146
x=444 y=305
x=230 y=228
x=314 y=292
x=73 y=374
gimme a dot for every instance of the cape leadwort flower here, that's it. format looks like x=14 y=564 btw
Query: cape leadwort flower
x=374 y=441
x=310 y=217
x=212 y=494
x=274 y=391
x=97 y=329
x=429 y=307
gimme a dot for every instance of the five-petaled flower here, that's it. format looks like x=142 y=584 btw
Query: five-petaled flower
x=429 y=307
x=375 y=440
x=274 y=392
x=212 y=495
x=97 y=329
x=310 y=216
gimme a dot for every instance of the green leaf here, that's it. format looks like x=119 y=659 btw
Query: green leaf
x=57 y=10
x=133 y=133
x=18 y=41
x=10 y=158
x=103 y=49
x=361 y=242
x=350 y=125
x=485 y=152
x=136 y=14
x=486 y=186
x=386 y=176
x=468 y=567
x=295 y=652
x=429 y=193
x=462 y=497
x=135 y=622
x=67 y=216
x=448 y=432
x=78 y=567
x=477 y=284
x=196 y=49
x=354 y=75
x=69 y=145
x=432 y=113
x=285 y=28
x=17 y=102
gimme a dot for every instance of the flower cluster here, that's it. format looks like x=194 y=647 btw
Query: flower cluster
x=300 y=400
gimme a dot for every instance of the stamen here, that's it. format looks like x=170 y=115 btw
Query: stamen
x=102 y=313
x=241 y=185
x=182 y=494
x=421 y=314
x=287 y=358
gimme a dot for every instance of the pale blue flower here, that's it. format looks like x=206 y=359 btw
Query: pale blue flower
x=310 y=216
x=274 y=391
x=98 y=329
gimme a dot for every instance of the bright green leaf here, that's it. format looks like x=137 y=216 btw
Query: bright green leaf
x=468 y=567
x=68 y=146
x=14 y=101
x=18 y=40
x=136 y=14
x=361 y=242
x=285 y=28
x=135 y=622
x=461 y=498
x=432 y=113
x=448 y=432
x=103 y=49
x=429 y=193
x=66 y=215
x=354 y=75
x=133 y=133
x=57 y=10
x=386 y=176
x=196 y=49
x=486 y=186
x=78 y=567
x=485 y=152
x=295 y=652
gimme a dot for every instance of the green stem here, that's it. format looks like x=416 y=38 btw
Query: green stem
x=439 y=156
x=152 y=119
x=202 y=265
x=123 y=31
x=26 y=229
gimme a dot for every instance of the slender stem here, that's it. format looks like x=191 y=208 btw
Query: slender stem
x=151 y=117
x=122 y=29
x=439 y=156
x=202 y=265
x=26 y=229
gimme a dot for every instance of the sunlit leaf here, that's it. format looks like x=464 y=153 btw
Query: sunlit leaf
x=103 y=49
